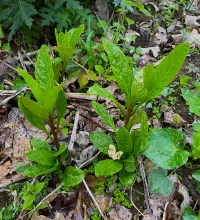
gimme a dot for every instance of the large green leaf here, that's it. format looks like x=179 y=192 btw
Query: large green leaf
x=165 y=148
x=101 y=141
x=159 y=181
x=51 y=97
x=32 y=84
x=37 y=170
x=120 y=67
x=43 y=70
x=156 y=79
x=65 y=52
x=124 y=140
x=42 y=156
x=31 y=117
x=189 y=214
x=108 y=167
x=72 y=176
x=97 y=90
x=61 y=105
x=196 y=145
x=126 y=178
x=193 y=99
x=36 y=109
x=104 y=114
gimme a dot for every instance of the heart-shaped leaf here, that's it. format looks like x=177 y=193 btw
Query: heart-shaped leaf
x=165 y=148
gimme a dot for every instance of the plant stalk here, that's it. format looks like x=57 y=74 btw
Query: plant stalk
x=53 y=130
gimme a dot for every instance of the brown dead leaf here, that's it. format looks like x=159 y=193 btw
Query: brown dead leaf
x=194 y=37
x=155 y=51
x=160 y=37
x=192 y=20
x=104 y=201
x=4 y=170
x=119 y=213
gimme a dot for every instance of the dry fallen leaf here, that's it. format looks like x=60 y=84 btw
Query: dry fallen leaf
x=192 y=20
x=119 y=213
x=155 y=51
x=113 y=154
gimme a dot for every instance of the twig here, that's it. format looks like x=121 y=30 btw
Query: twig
x=8 y=65
x=89 y=161
x=79 y=65
x=16 y=178
x=21 y=61
x=28 y=57
x=146 y=188
x=94 y=200
x=42 y=201
x=131 y=198
x=73 y=136
x=13 y=96
x=81 y=96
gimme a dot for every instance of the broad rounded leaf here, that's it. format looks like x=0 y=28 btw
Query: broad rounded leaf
x=108 y=167
x=72 y=176
x=159 y=182
x=165 y=148
x=101 y=141
x=126 y=178
x=124 y=140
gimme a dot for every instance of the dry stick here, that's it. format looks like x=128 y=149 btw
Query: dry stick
x=8 y=65
x=89 y=161
x=94 y=200
x=42 y=201
x=131 y=198
x=27 y=57
x=13 y=96
x=21 y=61
x=83 y=96
x=146 y=188
x=73 y=136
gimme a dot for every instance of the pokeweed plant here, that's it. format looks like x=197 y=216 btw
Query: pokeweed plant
x=138 y=88
x=48 y=95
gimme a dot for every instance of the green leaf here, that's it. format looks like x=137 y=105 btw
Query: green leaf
x=196 y=126
x=75 y=35
x=193 y=99
x=63 y=147
x=189 y=214
x=65 y=52
x=32 y=84
x=108 y=167
x=165 y=148
x=43 y=70
x=39 y=144
x=97 y=90
x=38 y=187
x=104 y=114
x=83 y=80
x=135 y=118
x=196 y=145
x=126 y=178
x=196 y=175
x=61 y=105
x=159 y=182
x=31 y=117
x=120 y=67
x=155 y=80
x=65 y=131
x=28 y=201
x=101 y=141
x=99 y=68
x=38 y=170
x=129 y=164
x=144 y=128
x=35 y=108
x=138 y=90
x=72 y=176
x=20 y=168
x=51 y=97
x=42 y=156
x=124 y=140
